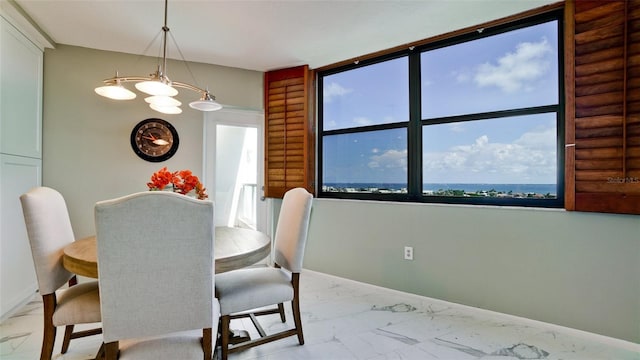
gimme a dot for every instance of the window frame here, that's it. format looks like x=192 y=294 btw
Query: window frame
x=358 y=129
x=415 y=123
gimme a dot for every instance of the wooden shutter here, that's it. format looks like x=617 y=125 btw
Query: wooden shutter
x=603 y=106
x=289 y=132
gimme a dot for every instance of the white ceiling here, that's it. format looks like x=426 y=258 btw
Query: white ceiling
x=260 y=34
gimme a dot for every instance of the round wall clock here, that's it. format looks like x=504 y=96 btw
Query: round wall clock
x=154 y=140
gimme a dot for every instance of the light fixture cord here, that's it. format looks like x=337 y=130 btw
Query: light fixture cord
x=185 y=61
x=142 y=55
x=163 y=46
x=165 y=29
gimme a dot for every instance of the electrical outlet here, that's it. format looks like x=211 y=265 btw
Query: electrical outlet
x=408 y=253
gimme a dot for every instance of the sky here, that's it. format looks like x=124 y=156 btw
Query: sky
x=511 y=70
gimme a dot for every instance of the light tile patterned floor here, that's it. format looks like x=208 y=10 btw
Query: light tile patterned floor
x=344 y=319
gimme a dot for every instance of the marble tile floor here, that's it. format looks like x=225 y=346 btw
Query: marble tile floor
x=344 y=319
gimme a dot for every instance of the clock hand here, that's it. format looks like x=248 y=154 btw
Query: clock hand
x=156 y=140
x=160 y=142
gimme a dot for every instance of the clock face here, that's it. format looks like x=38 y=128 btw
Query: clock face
x=154 y=140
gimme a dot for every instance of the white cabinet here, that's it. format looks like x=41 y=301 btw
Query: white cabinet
x=18 y=174
x=20 y=94
x=21 y=66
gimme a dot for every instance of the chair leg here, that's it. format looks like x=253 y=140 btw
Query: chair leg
x=297 y=319
x=49 y=336
x=206 y=343
x=225 y=321
x=68 y=331
x=100 y=355
x=281 y=311
x=217 y=340
x=111 y=350
x=295 y=305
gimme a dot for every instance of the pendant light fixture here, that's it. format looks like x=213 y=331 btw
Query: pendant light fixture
x=158 y=85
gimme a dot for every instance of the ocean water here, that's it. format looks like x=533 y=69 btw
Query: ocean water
x=469 y=188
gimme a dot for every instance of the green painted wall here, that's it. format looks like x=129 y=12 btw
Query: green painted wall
x=580 y=270
x=87 y=154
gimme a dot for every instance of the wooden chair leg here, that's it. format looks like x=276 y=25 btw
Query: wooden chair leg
x=111 y=350
x=218 y=335
x=100 y=355
x=295 y=305
x=224 y=336
x=206 y=343
x=297 y=319
x=281 y=311
x=49 y=336
x=68 y=331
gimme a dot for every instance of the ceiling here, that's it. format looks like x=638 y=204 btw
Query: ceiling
x=260 y=34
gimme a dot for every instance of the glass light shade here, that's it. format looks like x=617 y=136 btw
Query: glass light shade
x=205 y=105
x=162 y=100
x=166 y=109
x=155 y=87
x=115 y=92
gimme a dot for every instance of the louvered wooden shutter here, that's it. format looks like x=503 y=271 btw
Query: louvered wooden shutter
x=289 y=133
x=603 y=108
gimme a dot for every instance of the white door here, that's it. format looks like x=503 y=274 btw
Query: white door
x=233 y=168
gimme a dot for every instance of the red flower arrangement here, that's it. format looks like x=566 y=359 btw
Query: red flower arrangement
x=183 y=182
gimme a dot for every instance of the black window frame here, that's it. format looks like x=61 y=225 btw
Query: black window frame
x=415 y=124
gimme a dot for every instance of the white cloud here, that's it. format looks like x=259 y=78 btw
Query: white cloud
x=362 y=121
x=544 y=138
x=390 y=159
x=516 y=70
x=461 y=76
x=332 y=90
x=529 y=159
x=456 y=127
x=331 y=124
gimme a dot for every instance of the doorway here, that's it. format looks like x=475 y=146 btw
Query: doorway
x=233 y=153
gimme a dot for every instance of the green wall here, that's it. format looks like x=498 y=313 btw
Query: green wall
x=580 y=270
x=87 y=154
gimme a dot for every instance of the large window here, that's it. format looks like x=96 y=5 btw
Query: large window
x=475 y=119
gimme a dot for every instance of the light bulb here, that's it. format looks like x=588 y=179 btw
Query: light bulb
x=115 y=92
x=160 y=100
x=166 y=109
x=156 y=87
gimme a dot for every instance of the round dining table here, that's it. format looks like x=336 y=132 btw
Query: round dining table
x=234 y=248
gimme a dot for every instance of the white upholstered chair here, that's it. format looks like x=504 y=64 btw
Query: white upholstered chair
x=155 y=261
x=241 y=291
x=49 y=231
